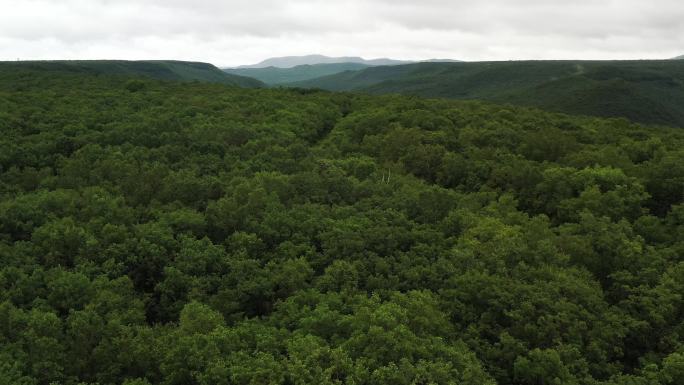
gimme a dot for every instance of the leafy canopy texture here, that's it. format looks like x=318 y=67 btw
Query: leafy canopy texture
x=169 y=233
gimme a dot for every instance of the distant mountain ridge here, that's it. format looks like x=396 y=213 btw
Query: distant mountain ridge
x=681 y=57
x=156 y=69
x=293 y=61
x=276 y=76
x=290 y=69
x=643 y=91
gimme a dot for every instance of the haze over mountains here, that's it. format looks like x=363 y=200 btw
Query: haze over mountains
x=293 y=61
x=288 y=69
x=276 y=76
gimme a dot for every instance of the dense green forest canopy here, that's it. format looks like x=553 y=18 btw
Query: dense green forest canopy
x=156 y=69
x=276 y=76
x=642 y=91
x=179 y=233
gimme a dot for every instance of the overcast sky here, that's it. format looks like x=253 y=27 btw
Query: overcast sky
x=243 y=32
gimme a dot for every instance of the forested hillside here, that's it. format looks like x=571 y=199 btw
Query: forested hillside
x=191 y=233
x=275 y=75
x=642 y=91
x=156 y=69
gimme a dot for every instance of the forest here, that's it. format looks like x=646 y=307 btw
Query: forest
x=186 y=233
x=156 y=69
x=644 y=91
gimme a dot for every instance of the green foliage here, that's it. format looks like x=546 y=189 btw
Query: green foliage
x=155 y=69
x=135 y=85
x=190 y=233
x=644 y=91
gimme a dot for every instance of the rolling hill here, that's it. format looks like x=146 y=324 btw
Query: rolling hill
x=276 y=75
x=643 y=91
x=157 y=69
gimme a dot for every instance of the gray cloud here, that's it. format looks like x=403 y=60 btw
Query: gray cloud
x=238 y=32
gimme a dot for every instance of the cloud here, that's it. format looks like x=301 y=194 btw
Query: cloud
x=238 y=32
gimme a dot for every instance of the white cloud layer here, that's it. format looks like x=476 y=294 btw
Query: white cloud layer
x=242 y=32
